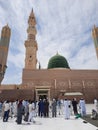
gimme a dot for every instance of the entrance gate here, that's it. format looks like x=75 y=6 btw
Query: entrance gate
x=42 y=92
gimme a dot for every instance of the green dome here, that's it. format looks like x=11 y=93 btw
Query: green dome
x=58 y=61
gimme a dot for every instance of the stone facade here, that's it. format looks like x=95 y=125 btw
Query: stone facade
x=59 y=82
x=53 y=83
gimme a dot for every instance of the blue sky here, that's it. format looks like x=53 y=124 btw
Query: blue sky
x=62 y=25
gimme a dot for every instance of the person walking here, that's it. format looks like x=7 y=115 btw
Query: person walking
x=6 y=111
x=54 y=108
x=26 y=111
x=96 y=104
x=59 y=106
x=15 y=103
x=20 y=112
x=41 y=108
x=82 y=107
x=67 y=108
x=0 y=109
x=31 y=112
x=74 y=104
x=46 y=108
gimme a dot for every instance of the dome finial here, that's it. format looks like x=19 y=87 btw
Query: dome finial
x=57 y=53
x=7 y=25
x=39 y=66
x=94 y=26
x=32 y=10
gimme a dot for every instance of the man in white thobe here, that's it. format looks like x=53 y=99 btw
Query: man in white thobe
x=31 y=112
x=67 y=108
x=82 y=107
x=14 y=108
x=96 y=105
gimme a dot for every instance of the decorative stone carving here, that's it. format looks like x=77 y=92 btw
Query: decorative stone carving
x=46 y=83
x=90 y=83
x=63 y=83
x=76 y=83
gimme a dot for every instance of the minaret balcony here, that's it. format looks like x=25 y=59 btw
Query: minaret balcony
x=30 y=43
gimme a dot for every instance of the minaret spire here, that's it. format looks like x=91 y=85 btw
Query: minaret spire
x=94 y=26
x=32 y=10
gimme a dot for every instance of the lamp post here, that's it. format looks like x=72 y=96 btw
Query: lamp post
x=69 y=82
x=83 y=88
x=55 y=83
x=55 y=87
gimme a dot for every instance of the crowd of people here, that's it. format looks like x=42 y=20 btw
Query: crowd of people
x=28 y=110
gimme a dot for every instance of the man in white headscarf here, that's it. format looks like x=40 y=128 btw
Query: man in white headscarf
x=96 y=105
x=82 y=107
x=67 y=108
x=31 y=112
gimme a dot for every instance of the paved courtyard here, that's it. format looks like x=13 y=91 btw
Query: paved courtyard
x=58 y=123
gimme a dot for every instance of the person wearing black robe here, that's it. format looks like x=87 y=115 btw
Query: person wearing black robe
x=46 y=108
x=74 y=104
x=41 y=108
x=20 y=112
x=54 y=108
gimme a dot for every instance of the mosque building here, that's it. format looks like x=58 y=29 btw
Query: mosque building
x=58 y=80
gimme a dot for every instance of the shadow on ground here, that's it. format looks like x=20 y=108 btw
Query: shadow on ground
x=88 y=119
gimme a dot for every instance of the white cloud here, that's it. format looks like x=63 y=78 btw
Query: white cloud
x=62 y=25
